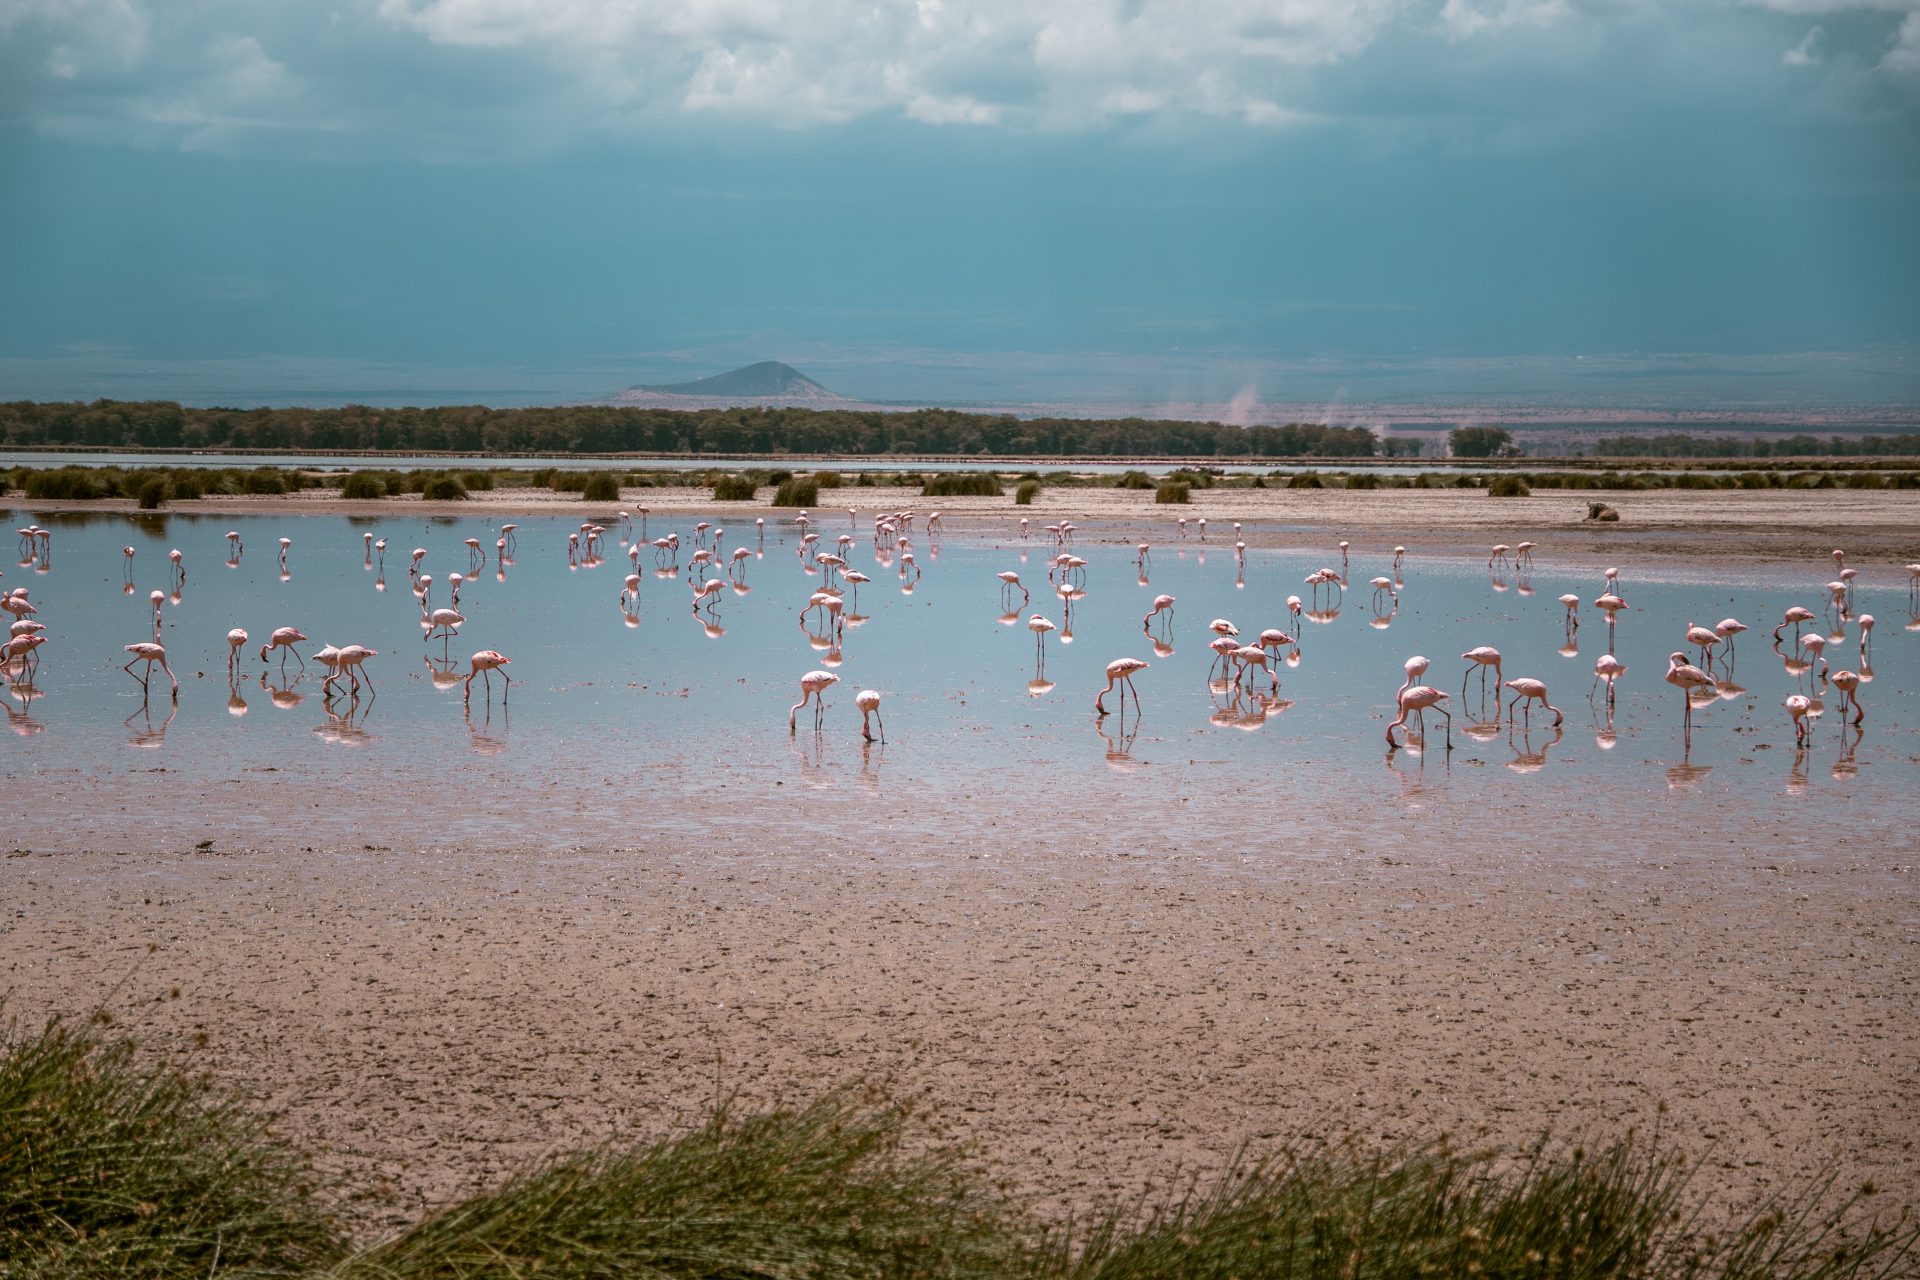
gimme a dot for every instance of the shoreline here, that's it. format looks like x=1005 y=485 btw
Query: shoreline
x=1744 y=525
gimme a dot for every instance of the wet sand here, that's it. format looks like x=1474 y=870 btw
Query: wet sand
x=1090 y=1001
x=1742 y=524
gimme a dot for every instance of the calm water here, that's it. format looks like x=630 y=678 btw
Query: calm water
x=620 y=724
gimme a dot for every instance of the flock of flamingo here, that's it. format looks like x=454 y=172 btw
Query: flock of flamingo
x=833 y=604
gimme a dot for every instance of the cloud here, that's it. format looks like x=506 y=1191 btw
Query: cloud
x=1904 y=57
x=1808 y=51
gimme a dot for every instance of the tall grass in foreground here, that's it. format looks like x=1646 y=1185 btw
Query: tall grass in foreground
x=109 y=1168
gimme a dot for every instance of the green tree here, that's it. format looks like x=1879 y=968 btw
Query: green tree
x=1479 y=442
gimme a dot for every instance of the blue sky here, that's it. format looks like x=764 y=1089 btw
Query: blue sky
x=525 y=200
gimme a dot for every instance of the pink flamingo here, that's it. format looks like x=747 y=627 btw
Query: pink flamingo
x=1609 y=668
x=1528 y=690
x=1705 y=640
x=1399 y=555
x=1141 y=554
x=234 y=545
x=1415 y=701
x=1866 y=637
x=1799 y=705
x=1416 y=666
x=347 y=662
x=513 y=543
x=1383 y=585
x=1572 y=604
x=813 y=688
x=1248 y=656
x=1523 y=559
x=1848 y=683
x=1792 y=618
x=476 y=556
x=284 y=639
x=1121 y=672
x=1162 y=604
x=1685 y=677
x=1009 y=580
x=1040 y=625
x=1499 y=556
x=1480 y=658
x=483 y=662
x=1274 y=640
x=150 y=653
x=284 y=544
x=868 y=700
x=237 y=640
x=445 y=622
x=1727 y=629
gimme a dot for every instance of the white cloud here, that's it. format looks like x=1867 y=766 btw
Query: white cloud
x=1904 y=57
x=1808 y=51
x=1461 y=20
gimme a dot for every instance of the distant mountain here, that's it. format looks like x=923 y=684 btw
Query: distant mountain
x=768 y=380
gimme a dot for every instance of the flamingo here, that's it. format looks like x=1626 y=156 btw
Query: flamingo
x=1816 y=645
x=237 y=639
x=1609 y=668
x=868 y=700
x=852 y=577
x=1480 y=658
x=1686 y=678
x=1524 y=559
x=813 y=687
x=513 y=543
x=476 y=556
x=1792 y=618
x=284 y=639
x=1799 y=705
x=1275 y=639
x=1040 y=625
x=1528 y=690
x=1383 y=584
x=1848 y=683
x=1221 y=627
x=179 y=568
x=1399 y=555
x=1613 y=581
x=284 y=544
x=1727 y=629
x=483 y=662
x=1008 y=580
x=1252 y=655
x=1141 y=555
x=150 y=653
x=1572 y=603
x=1499 y=556
x=443 y=620
x=1161 y=604
x=1121 y=672
x=1415 y=701
x=1705 y=640
x=1416 y=666
x=349 y=664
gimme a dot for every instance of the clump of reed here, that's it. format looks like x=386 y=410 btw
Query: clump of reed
x=113 y=1167
x=1508 y=486
x=734 y=489
x=364 y=484
x=601 y=486
x=796 y=491
x=1173 y=491
x=445 y=487
x=1027 y=491
x=962 y=484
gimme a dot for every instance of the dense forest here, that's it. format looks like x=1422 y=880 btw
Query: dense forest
x=611 y=429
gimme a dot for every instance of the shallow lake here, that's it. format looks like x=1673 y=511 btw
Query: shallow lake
x=626 y=723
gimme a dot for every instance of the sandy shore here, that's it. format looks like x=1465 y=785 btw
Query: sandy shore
x=1743 y=524
x=1087 y=1019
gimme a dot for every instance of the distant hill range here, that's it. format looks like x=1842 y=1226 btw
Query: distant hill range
x=768 y=382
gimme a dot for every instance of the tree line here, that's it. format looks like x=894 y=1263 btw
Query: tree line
x=109 y=424
x=1800 y=445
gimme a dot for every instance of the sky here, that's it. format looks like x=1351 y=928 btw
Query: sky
x=1695 y=202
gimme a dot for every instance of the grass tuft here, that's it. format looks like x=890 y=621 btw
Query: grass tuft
x=112 y=1168
x=962 y=484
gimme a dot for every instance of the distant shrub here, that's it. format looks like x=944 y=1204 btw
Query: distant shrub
x=1864 y=480
x=444 y=488
x=828 y=479
x=601 y=486
x=363 y=484
x=541 y=477
x=1136 y=480
x=153 y=492
x=264 y=480
x=66 y=484
x=1026 y=493
x=1363 y=480
x=1752 y=480
x=734 y=489
x=1904 y=480
x=866 y=480
x=797 y=493
x=1192 y=478
x=481 y=480
x=779 y=477
x=1259 y=482
x=1306 y=480
x=185 y=484
x=1173 y=491
x=1508 y=487
x=962 y=484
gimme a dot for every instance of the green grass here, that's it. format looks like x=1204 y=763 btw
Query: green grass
x=1026 y=493
x=109 y=1168
x=444 y=488
x=364 y=484
x=112 y=1168
x=1173 y=491
x=601 y=487
x=794 y=492
x=962 y=484
x=734 y=489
